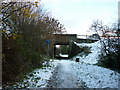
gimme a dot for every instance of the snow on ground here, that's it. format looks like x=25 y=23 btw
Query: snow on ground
x=39 y=77
x=96 y=77
x=93 y=57
x=71 y=74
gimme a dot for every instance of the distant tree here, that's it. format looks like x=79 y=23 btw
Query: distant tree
x=109 y=46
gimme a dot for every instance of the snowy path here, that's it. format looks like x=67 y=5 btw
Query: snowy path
x=63 y=77
x=71 y=74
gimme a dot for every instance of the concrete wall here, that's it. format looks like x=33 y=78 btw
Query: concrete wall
x=65 y=37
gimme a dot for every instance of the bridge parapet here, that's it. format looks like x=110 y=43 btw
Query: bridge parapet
x=65 y=37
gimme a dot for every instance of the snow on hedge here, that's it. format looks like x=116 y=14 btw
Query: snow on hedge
x=93 y=57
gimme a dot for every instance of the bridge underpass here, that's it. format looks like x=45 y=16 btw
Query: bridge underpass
x=64 y=44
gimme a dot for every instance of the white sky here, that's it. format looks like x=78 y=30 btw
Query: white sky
x=77 y=15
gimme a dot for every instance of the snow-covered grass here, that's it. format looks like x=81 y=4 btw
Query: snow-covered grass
x=96 y=77
x=71 y=74
x=93 y=57
x=39 y=77
x=93 y=76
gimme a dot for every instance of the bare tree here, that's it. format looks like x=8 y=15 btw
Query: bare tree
x=110 y=46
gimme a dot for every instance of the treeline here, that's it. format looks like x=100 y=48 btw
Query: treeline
x=110 y=44
x=25 y=28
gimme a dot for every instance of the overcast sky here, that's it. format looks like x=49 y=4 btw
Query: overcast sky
x=77 y=15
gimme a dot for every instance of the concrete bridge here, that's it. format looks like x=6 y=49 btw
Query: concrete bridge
x=69 y=39
x=66 y=38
